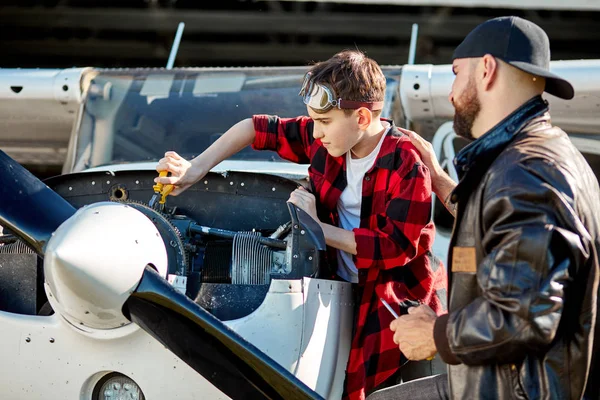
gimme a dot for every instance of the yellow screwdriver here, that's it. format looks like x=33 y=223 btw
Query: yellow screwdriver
x=161 y=192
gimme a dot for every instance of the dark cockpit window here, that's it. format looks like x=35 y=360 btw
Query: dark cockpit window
x=185 y=111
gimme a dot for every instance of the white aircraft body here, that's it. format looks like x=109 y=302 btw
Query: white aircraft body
x=240 y=314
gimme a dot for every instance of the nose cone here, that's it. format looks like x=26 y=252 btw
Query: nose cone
x=95 y=260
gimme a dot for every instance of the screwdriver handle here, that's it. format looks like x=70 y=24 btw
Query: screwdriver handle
x=164 y=190
x=159 y=186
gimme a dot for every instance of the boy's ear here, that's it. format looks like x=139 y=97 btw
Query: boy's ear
x=365 y=117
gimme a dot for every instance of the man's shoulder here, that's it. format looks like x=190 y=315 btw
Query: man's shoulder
x=540 y=149
x=518 y=171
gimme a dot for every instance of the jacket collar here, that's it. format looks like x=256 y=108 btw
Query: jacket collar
x=473 y=160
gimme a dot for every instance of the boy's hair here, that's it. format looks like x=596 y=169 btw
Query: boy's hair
x=352 y=76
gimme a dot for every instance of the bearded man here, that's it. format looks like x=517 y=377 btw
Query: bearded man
x=524 y=270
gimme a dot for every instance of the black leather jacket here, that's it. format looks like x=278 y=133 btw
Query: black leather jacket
x=524 y=266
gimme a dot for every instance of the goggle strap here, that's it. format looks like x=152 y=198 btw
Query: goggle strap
x=355 y=105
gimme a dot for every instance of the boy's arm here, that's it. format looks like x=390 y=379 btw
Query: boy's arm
x=185 y=173
x=335 y=237
x=291 y=138
x=232 y=141
x=339 y=238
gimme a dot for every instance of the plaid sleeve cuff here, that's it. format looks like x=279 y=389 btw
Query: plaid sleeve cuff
x=365 y=243
x=441 y=340
x=264 y=139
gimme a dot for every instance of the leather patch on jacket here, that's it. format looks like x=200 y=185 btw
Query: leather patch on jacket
x=464 y=260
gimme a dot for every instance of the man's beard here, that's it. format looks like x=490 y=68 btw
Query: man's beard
x=466 y=110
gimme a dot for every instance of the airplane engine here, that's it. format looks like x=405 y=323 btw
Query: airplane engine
x=131 y=289
x=95 y=260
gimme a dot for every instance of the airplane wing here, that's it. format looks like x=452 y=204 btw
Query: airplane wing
x=38 y=108
x=424 y=91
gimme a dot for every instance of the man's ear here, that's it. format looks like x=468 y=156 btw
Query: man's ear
x=490 y=71
x=365 y=117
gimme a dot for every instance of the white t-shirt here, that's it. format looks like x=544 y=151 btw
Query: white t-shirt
x=350 y=202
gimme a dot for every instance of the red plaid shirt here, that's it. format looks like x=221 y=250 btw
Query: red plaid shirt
x=393 y=242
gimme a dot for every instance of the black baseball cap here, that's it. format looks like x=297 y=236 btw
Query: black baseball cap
x=518 y=42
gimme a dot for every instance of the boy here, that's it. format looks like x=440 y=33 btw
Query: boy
x=370 y=193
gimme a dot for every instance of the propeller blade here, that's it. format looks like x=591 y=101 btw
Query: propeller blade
x=28 y=207
x=225 y=359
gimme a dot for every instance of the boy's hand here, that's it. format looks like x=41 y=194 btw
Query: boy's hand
x=304 y=200
x=182 y=174
x=413 y=332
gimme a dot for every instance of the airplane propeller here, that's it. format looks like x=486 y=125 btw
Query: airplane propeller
x=28 y=207
x=33 y=212
x=233 y=365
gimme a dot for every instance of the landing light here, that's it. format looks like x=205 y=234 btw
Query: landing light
x=116 y=386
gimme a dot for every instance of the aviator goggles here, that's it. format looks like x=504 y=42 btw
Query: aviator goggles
x=321 y=99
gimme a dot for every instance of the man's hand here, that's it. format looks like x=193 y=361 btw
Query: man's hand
x=441 y=183
x=427 y=153
x=183 y=175
x=304 y=200
x=413 y=333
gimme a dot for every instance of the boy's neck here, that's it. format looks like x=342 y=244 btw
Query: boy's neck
x=369 y=139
